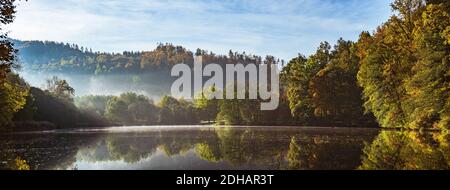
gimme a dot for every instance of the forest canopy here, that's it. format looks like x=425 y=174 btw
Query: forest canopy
x=397 y=76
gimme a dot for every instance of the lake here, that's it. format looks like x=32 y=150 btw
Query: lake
x=224 y=148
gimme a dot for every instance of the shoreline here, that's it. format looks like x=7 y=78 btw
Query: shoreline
x=124 y=129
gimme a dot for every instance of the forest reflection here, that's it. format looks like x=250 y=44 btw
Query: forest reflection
x=394 y=150
x=229 y=148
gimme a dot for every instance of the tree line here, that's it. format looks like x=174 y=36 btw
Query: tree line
x=404 y=68
x=48 y=56
x=401 y=70
x=133 y=109
x=397 y=77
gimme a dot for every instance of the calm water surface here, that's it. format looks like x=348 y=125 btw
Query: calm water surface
x=224 y=148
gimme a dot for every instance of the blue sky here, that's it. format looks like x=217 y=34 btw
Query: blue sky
x=282 y=28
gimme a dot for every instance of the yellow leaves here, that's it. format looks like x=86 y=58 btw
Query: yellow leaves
x=206 y=152
x=12 y=97
x=404 y=71
x=363 y=45
x=15 y=96
x=446 y=35
x=406 y=150
x=21 y=164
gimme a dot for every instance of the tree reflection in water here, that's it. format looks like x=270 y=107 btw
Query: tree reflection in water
x=285 y=148
x=395 y=150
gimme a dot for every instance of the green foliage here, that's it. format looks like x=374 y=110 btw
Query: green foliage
x=13 y=90
x=296 y=77
x=207 y=108
x=205 y=152
x=230 y=112
x=46 y=107
x=69 y=58
x=130 y=108
x=301 y=156
x=51 y=108
x=399 y=75
x=13 y=97
x=294 y=156
x=393 y=150
x=60 y=89
x=28 y=111
x=248 y=112
x=119 y=149
x=323 y=88
x=243 y=112
x=176 y=112
x=117 y=110
x=95 y=105
x=404 y=70
x=429 y=85
x=336 y=96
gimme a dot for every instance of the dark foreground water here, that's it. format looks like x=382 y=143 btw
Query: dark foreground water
x=223 y=148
